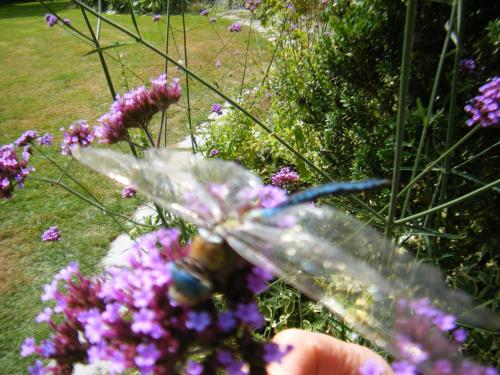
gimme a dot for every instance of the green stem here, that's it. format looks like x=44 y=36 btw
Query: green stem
x=246 y=55
x=471 y=178
x=50 y=10
x=449 y=203
x=99 y=53
x=450 y=131
x=193 y=140
x=476 y=156
x=411 y=11
x=89 y=201
x=65 y=171
x=98 y=22
x=430 y=109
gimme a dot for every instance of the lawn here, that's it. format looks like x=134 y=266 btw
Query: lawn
x=48 y=82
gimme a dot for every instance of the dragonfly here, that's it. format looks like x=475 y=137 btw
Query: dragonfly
x=329 y=256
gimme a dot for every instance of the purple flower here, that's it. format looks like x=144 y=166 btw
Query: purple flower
x=94 y=326
x=51 y=234
x=404 y=368
x=50 y=19
x=46 y=140
x=144 y=322
x=285 y=177
x=445 y=322
x=460 y=335
x=129 y=192
x=218 y=64
x=44 y=316
x=194 y=368
x=213 y=19
x=26 y=138
x=235 y=27
x=273 y=353
x=28 y=347
x=47 y=348
x=251 y=5
x=484 y=109
x=147 y=354
x=217 y=108
x=214 y=152
x=79 y=133
x=156 y=17
x=371 y=367
x=13 y=170
x=49 y=291
x=249 y=314
x=198 y=321
x=67 y=21
x=226 y=321
x=66 y=273
x=163 y=94
x=257 y=279
x=468 y=65
x=204 y=12
x=37 y=368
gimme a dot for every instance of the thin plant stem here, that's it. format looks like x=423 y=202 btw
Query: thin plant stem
x=50 y=10
x=450 y=203
x=65 y=171
x=98 y=22
x=471 y=159
x=231 y=102
x=89 y=201
x=99 y=53
x=246 y=55
x=430 y=109
x=467 y=176
x=450 y=130
x=193 y=140
x=411 y=11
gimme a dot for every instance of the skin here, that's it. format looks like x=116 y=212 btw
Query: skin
x=319 y=354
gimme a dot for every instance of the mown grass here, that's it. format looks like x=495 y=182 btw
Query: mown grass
x=47 y=83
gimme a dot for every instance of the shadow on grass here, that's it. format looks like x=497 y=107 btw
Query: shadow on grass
x=19 y=9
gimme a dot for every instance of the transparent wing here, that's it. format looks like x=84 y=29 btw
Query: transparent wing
x=349 y=267
x=202 y=191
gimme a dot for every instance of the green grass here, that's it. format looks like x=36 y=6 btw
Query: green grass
x=47 y=83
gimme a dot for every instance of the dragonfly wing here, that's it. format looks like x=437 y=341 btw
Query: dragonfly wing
x=201 y=191
x=349 y=267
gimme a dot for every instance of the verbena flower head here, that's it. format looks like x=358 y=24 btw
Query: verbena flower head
x=50 y=19
x=251 y=5
x=218 y=64
x=67 y=21
x=79 y=133
x=136 y=107
x=156 y=17
x=26 y=138
x=468 y=65
x=214 y=152
x=204 y=12
x=484 y=109
x=13 y=170
x=285 y=178
x=51 y=234
x=127 y=318
x=235 y=27
x=213 y=19
x=163 y=94
x=129 y=192
x=423 y=345
x=217 y=108
x=46 y=140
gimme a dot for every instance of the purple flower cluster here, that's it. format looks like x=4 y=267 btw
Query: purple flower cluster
x=26 y=138
x=285 y=178
x=235 y=27
x=46 y=140
x=156 y=17
x=468 y=65
x=50 y=19
x=51 y=234
x=484 y=109
x=79 y=133
x=128 y=318
x=13 y=170
x=213 y=19
x=252 y=4
x=128 y=192
x=136 y=108
x=204 y=12
x=214 y=152
x=422 y=344
x=217 y=108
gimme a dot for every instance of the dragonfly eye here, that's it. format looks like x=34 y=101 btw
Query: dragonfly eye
x=210 y=237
